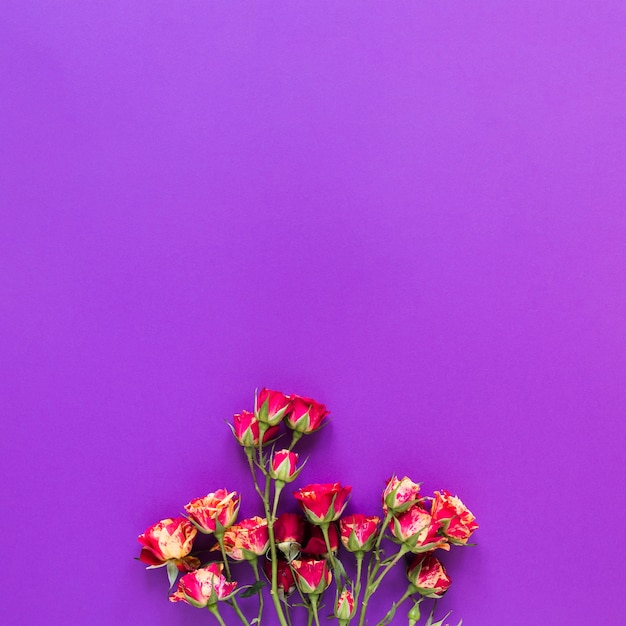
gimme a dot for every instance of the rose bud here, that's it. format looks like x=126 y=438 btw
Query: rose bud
x=246 y=430
x=400 y=495
x=284 y=577
x=428 y=576
x=456 y=521
x=316 y=545
x=204 y=587
x=415 y=529
x=323 y=503
x=270 y=407
x=289 y=530
x=215 y=511
x=169 y=540
x=283 y=466
x=311 y=576
x=358 y=533
x=344 y=606
x=306 y=415
x=246 y=540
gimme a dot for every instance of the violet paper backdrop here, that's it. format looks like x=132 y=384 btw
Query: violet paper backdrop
x=412 y=212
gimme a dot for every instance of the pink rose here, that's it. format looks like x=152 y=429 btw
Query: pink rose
x=416 y=530
x=284 y=578
x=311 y=576
x=283 y=466
x=204 y=587
x=247 y=540
x=270 y=406
x=306 y=415
x=344 y=606
x=456 y=521
x=169 y=540
x=323 y=503
x=428 y=575
x=400 y=495
x=216 y=510
x=289 y=531
x=358 y=533
x=246 y=430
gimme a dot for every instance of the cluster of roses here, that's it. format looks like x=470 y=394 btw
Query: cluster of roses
x=300 y=553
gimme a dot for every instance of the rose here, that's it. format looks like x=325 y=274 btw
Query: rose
x=344 y=606
x=246 y=430
x=270 y=407
x=311 y=576
x=289 y=530
x=428 y=576
x=283 y=466
x=246 y=540
x=204 y=587
x=284 y=577
x=316 y=545
x=416 y=530
x=358 y=533
x=169 y=540
x=456 y=521
x=400 y=495
x=323 y=503
x=214 y=512
x=306 y=415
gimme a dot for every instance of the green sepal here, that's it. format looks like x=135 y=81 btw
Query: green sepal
x=172 y=573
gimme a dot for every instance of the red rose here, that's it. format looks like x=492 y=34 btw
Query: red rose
x=311 y=576
x=306 y=415
x=204 y=587
x=216 y=510
x=246 y=430
x=428 y=575
x=289 y=530
x=169 y=540
x=283 y=466
x=323 y=503
x=456 y=521
x=270 y=406
x=284 y=577
x=316 y=545
x=400 y=495
x=358 y=533
x=416 y=530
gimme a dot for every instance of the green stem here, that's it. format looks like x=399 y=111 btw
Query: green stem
x=373 y=582
x=359 y=569
x=255 y=567
x=331 y=556
x=253 y=472
x=220 y=541
x=213 y=608
x=387 y=619
x=287 y=611
x=314 y=600
x=271 y=519
x=294 y=439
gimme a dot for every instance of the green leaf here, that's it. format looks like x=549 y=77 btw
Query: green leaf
x=252 y=589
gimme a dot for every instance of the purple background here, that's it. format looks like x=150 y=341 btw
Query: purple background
x=411 y=211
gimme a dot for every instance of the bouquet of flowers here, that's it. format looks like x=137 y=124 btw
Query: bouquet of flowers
x=300 y=554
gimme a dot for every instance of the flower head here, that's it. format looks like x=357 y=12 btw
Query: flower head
x=400 y=495
x=312 y=576
x=169 y=540
x=215 y=511
x=246 y=540
x=203 y=587
x=306 y=415
x=416 y=530
x=246 y=430
x=323 y=502
x=358 y=533
x=271 y=406
x=456 y=521
x=428 y=575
